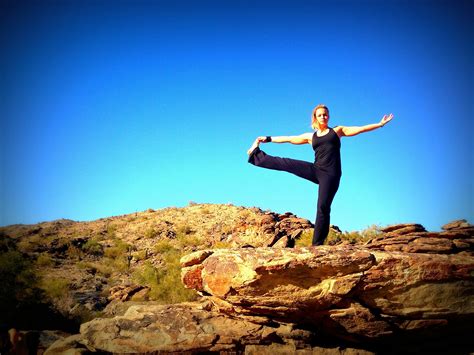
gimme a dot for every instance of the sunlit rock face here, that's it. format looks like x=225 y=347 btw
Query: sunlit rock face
x=397 y=285
x=407 y=290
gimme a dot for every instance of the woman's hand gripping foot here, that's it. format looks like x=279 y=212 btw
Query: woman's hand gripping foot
x=256 y=144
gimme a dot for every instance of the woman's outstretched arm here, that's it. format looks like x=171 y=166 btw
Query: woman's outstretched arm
x=301 y=139
x=352 y=131
x=304 y=138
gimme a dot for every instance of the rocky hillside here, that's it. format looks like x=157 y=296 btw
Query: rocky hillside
x=68 y=272
x=57 y=275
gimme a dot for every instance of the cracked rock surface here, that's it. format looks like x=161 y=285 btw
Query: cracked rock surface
x=408 y=290
x=397 y=286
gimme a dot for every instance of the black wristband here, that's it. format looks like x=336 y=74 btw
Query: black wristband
x=268 y=139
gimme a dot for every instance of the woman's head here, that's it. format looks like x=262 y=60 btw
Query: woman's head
x=320 y=116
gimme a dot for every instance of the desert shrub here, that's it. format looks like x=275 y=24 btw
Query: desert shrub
x=205 y=210
x=120 y=264
x=164 y=282
x=222 y=245
x=18 y=284
x=17 y=277
x=54 y=287
x=188 y=241
x=44 y=259
x=119 y=249
x=93 y=247
x=30 y=243
x=183 y=229
x=370 y=232
x=151 y=233
x=140 y=255
x=305 y=238
x=163 y=246
x=111 y=230
x=353 y=237
x=74 y=252
x=227 y=229
x=104 y=267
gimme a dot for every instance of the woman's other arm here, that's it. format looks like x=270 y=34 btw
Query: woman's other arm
x=304 y=138
x=352 y=131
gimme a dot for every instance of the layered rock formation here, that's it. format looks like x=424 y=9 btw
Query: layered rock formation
x=400 y=290
x=405 y=284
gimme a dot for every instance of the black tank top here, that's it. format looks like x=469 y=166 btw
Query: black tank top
x=327 y=152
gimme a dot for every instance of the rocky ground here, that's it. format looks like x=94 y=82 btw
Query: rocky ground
x=251 y=292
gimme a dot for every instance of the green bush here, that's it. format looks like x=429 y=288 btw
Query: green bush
x=140 y=255
x=119 y=249
x=111 y=230
x=18 y=285
x=44 y=259
x=105 y=267
x=93 y=247
x=164 y=283
x=54 y=287
x=222 y=245
x=305 y=238
x=151 y=233
x=163 y=246
x=183 y=230
x=17 y=277
x=188 y=241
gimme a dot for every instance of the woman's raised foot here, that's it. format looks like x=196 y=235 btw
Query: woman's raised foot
x=254 y=145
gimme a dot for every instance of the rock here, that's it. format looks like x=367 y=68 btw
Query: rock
x=141 y=295
x=195 y=258
x=70 y=346
x=460 y=223
x=124 y=292
x=267 y=219
x=400 y=229
x=285 y=349
x=353 y=293
x=447 y=242
x=184 y=327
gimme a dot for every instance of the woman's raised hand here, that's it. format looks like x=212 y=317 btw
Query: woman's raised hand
x=386 y=119
x=256 y=143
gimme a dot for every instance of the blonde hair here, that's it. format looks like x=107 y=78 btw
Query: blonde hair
x=314 y=121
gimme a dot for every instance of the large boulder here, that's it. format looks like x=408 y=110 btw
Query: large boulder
x=394 y=288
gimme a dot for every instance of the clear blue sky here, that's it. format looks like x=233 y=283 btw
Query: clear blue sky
x=109 y=108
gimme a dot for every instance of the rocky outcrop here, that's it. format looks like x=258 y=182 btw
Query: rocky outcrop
x=191 y=328
x=410 y=289
x=457 y=237
x=398 y=286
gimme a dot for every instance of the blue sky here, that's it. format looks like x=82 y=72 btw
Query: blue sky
x=109 y=108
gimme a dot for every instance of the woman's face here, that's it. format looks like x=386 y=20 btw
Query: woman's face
x=322 y=115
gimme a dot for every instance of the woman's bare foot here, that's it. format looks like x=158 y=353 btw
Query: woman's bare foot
x=254 y=145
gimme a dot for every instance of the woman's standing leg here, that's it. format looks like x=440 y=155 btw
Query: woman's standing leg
x=328 y=186
x=300 y=168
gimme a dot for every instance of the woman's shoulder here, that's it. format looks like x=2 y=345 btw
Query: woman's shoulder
x=308 y=136
x=338 y=130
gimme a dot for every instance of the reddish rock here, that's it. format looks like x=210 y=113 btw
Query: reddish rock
x=460 y=223
x=350 y=292
x=405 y=228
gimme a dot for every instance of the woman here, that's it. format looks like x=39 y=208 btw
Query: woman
x=325 y=171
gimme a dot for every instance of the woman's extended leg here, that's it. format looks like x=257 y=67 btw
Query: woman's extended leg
x=328 y=186
x=300 y=168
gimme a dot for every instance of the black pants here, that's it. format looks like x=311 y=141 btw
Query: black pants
x=328 y=185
